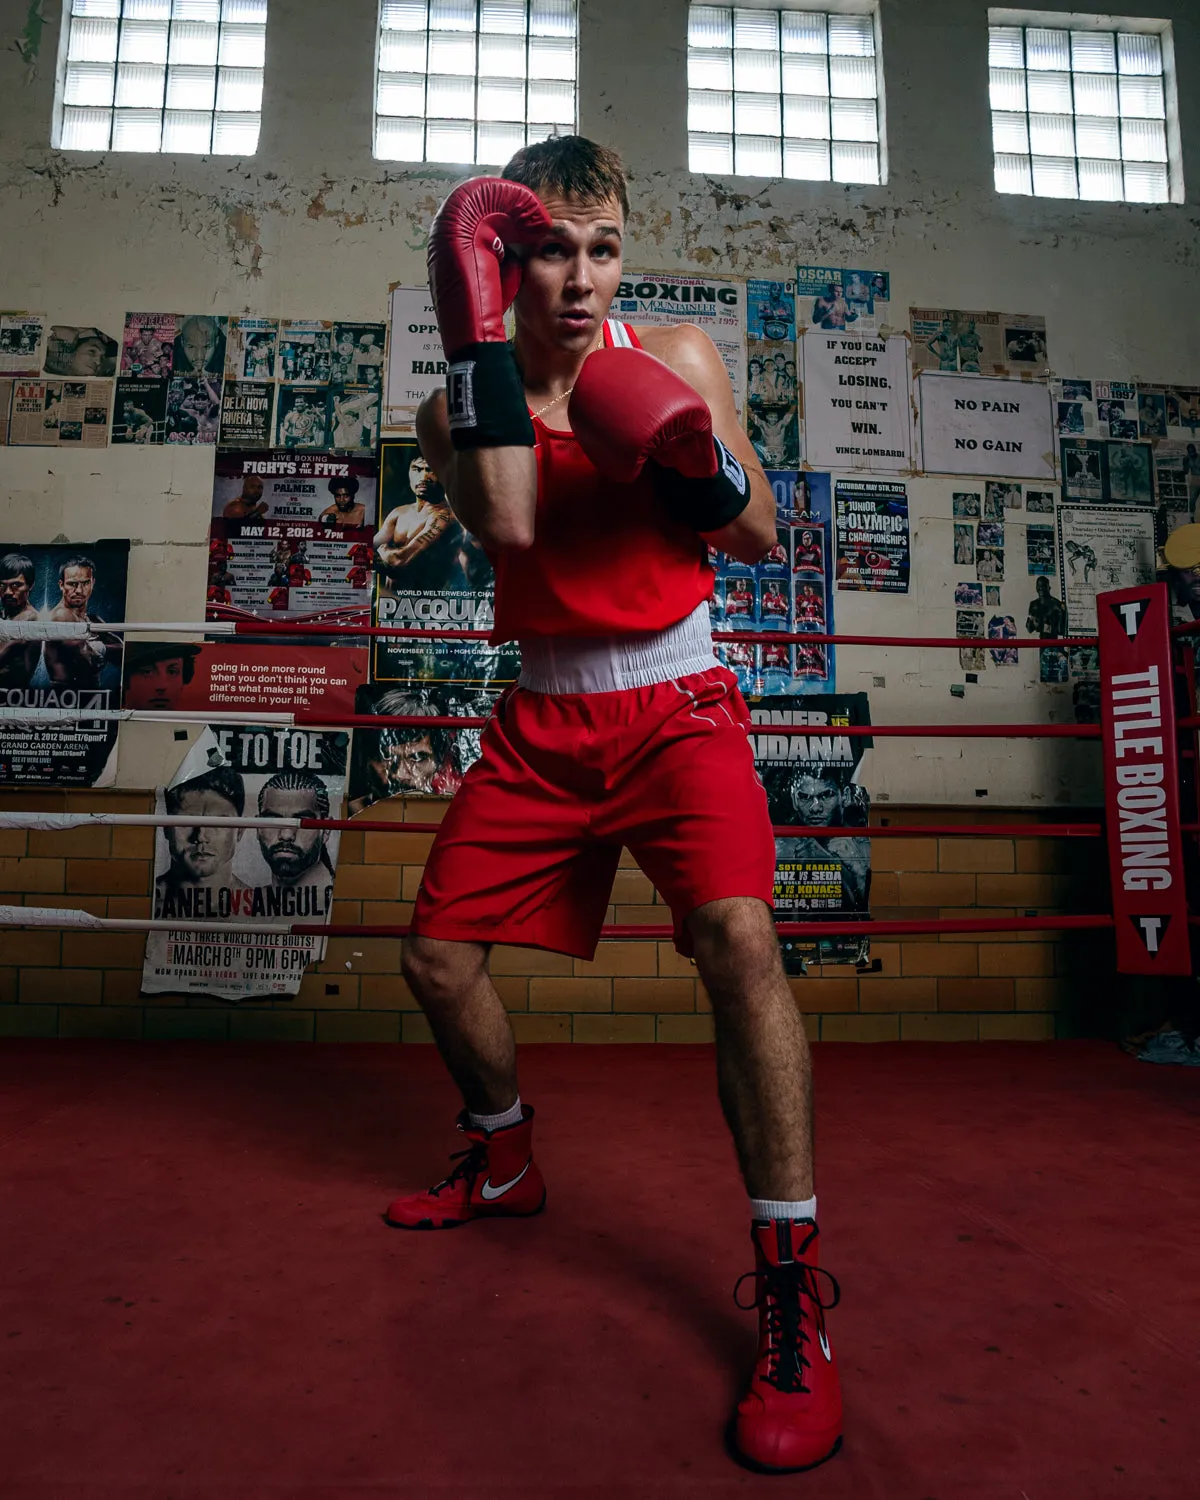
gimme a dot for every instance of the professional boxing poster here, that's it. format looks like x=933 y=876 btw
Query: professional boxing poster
x=22 y=342
x=60 y=413
x=409 y=760
x=774 y=414
x=247 y=408
x=790 y=591
x=1100 y=548
x=250 y=348
x=661 y=298
x=77 y=581
x=872 y=535
x=290 y=537
x=204 y=872
x=431 y=574
x=235 y=676
x=1101 y=469
x=815 y=781
x=1125 y=411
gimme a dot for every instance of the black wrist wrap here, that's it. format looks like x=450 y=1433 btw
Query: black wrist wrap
x=486 y=399
x=707 y=504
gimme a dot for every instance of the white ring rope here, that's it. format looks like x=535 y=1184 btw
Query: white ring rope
x=44 y=822
x=54 y=916
x=56 y=630
x=32 y=716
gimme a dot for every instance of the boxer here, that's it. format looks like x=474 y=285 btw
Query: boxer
x=597 y=463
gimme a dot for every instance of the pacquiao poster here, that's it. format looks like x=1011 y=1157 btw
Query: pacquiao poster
x=414 y=760
x=816 y=781
x=206 y=871
x=290 y=537
x=431 y=574
x=61 y=583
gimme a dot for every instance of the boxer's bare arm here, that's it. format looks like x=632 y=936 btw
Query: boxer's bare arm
x=692 y=354
x=492 y=491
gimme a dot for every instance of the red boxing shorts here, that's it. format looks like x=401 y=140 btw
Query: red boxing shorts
x=530 y=844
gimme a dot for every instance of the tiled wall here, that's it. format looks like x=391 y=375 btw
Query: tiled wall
x=77 y=984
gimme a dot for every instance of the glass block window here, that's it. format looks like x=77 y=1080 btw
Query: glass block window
x=783 y=93
x=1079 y=114
x=472 y=81
x=162 y=75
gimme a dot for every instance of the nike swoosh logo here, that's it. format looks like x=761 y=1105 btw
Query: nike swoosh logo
x=824 y=1343
x=487 y=1192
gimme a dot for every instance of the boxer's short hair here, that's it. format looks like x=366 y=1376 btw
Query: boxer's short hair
x=572 y=166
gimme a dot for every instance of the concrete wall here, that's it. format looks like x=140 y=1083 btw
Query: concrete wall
x=312 y=226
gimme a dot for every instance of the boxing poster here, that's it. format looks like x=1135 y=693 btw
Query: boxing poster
x=60 y=583
x=837 y=298
x=978 y=343
x=774 y=417
x=1124 y=411
x=239 y=677
x=858 y=412
x=815 y=781
x=1100 y=548
x=60 y=413
x=247 y=409
x=661 y=298
x=290 y=537
x=789 y=591
x=974 y=425
x=1100 y=469
x=414 y=760
x=416 y=365
x=431 y=574
x=206 y=871
x=250 y=348
x=83 y=353
x=872 y=535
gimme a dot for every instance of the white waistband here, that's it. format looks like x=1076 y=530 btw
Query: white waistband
x=562 y=664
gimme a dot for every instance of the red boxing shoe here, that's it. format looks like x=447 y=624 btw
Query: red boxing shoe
x=496 y=1178
x=791 y=1417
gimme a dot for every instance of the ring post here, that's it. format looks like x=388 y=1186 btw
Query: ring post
x=1141 y=781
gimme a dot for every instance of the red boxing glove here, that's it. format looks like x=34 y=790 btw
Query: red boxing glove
x=473 y=276
x=629 y=409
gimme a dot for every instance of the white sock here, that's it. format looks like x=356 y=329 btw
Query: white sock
x=779 y=1208
x=497 y=1122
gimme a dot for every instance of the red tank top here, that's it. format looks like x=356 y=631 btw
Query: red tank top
x=606 y=558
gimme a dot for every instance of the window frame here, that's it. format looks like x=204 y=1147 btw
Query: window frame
x=826 y=8
x=1065 y=20
x=67 y=19
x=556 y=128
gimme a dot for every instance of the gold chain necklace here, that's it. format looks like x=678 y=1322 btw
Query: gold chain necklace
x=562 y=396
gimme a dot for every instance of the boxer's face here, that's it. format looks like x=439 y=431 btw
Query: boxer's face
x=290 y=851
x=77 y=585
x=199 y=852
x=155 y=684
x=14 y=595
x=571 y=276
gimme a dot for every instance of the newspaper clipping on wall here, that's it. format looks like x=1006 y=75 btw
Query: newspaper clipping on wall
x=61 y=583
x=22 y=341
x=857 y=404
x=60 y=413
x=1100 y=548
x=978 y=343
x=815 y=781
x=1100 y=469
x=83 y=353
x=290 y=537
x=872 y=535
x=431 y=574
x=790 y=590
x=838 y=299
x=660 y=298
x=416 y=365
x=975 y=425
x=250 y=348
x=206 y=871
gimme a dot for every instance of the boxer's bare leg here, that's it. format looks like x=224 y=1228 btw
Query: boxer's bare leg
x=468 y=1019
x=764 y=1069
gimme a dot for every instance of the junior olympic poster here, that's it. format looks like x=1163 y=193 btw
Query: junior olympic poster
x=206 y=871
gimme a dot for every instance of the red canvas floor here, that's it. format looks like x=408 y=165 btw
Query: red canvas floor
x=199 y=1299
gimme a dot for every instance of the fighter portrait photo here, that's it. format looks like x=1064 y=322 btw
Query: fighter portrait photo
x=597 y=462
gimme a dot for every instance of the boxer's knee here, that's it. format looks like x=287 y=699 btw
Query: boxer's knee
x=438 y=971
x=737 y=952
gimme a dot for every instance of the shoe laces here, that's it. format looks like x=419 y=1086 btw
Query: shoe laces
x=470 y=1164
x=783 y=1291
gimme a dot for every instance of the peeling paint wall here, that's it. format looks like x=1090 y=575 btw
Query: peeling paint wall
x=312 y=226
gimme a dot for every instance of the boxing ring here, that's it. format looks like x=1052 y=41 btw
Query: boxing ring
x=1142 y=676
